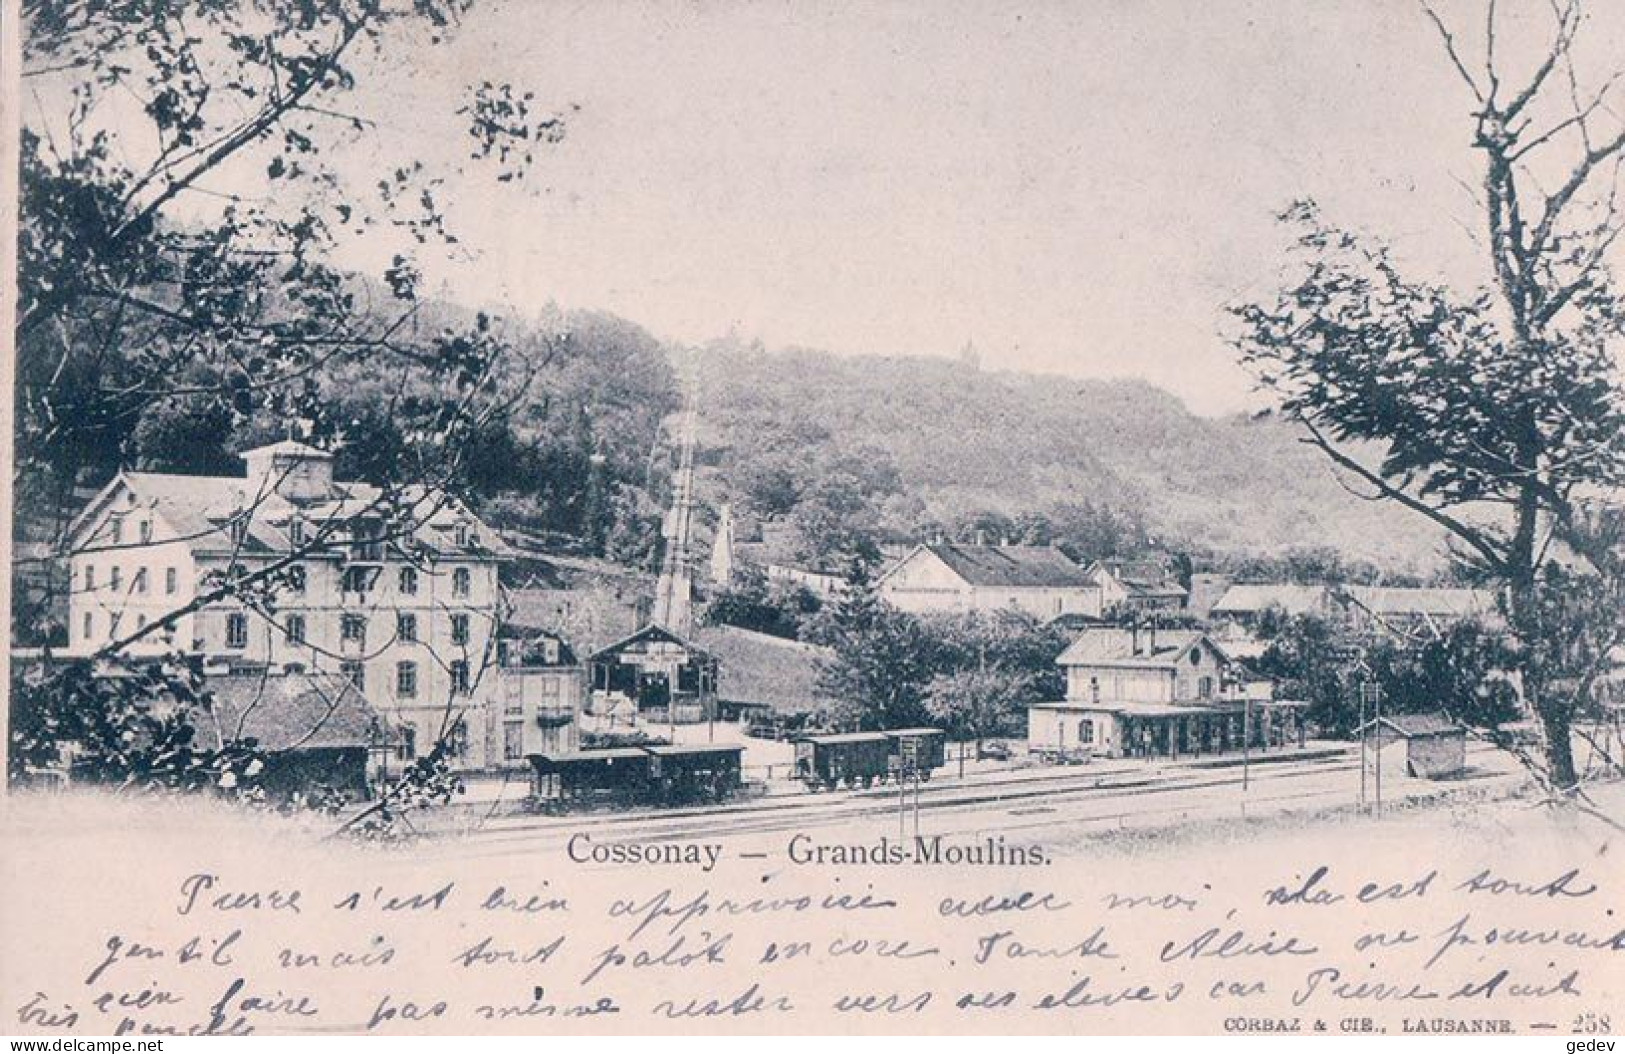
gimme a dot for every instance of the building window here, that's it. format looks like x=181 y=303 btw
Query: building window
x=353 y=629
x=459 y=630
x=357 y=579
x=140 y=583
x=116 y=578
x=460 y=581
x=513 y=740
x=296 y=578
x=90 y=577
x=409 y=581
x=1086 y=732
x=461 y=535
x=172 y=581
x=236 y=631
x=1094 y=689
x=238 y=531
x=144 y=531
x=295 y=629
x=459 y=677
x=409 y=742
x=141 y=622
x=112 y=625
x=457 y=741
x=116 y=526
x=90 y=625
x=406 y=680
x=356 y=674
x=366 y=540
x=1204 y=688
x=296 y=532
x=406 y=628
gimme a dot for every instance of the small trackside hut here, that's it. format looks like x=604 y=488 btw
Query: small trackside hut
x=1435 y=746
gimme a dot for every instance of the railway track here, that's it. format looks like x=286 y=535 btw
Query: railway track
x=1007 y=807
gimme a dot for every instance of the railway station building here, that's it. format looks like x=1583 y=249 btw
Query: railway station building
x=1155 y=693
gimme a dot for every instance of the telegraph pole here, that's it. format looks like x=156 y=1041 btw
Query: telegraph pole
x=1376 y=699
x=1246 y=741
x=1364 y=736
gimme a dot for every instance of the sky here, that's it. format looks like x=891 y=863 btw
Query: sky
x=1075 y=188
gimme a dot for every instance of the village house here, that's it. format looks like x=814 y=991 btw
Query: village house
x=543 y=687
x=396 y=592
x=955 y=579
x=1145 y=692
x=1135 y=586
x=317 y=731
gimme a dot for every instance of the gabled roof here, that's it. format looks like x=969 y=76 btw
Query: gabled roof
x=653 y=631
x=1006 y=566
x=1140 y=577
x=288 y=448
x=759 y=668
x=1416 y=726
x=1255 y=598
x=201 y=509
x=285 y=711
x=1438 y=603
x=1132 y=572
x=1114 y=646
x=531 y=644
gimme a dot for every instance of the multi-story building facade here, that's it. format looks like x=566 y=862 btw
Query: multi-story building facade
x=543 y=686
x=395 y=590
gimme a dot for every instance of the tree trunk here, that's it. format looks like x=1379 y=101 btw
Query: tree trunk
x=1555 y=725
x=1552 y=708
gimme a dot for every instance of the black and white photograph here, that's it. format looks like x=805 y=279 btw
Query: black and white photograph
x=790 y=517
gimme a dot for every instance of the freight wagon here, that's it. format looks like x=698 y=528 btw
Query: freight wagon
x=855 y=759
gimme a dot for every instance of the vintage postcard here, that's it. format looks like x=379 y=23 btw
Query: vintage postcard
x=867 y=518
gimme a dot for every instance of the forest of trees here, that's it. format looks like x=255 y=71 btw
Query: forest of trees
x=908 y=449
